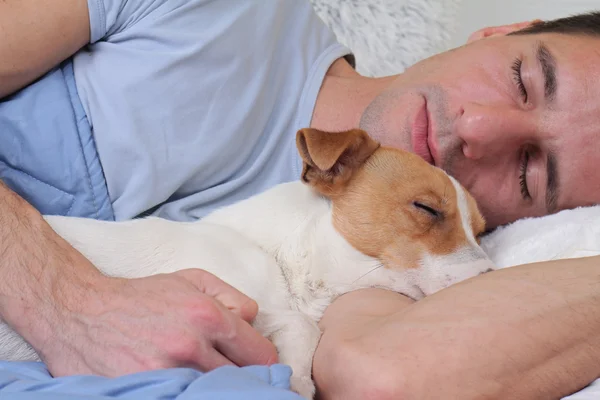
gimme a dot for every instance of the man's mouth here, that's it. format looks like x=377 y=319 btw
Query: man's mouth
x=422 y=140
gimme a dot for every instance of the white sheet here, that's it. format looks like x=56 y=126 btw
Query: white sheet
x=568 y=234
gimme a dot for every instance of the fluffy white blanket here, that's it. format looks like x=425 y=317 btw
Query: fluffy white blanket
x=567 y=234
x=389 y=35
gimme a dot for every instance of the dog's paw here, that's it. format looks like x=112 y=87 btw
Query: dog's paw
x=304 y=386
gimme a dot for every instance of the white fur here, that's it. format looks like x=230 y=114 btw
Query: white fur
x=279 y=247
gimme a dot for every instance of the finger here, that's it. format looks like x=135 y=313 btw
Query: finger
x=211 y=359
x=244 y=345
x=234 y=300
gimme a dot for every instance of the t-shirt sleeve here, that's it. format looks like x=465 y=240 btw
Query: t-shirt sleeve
x=109 y=17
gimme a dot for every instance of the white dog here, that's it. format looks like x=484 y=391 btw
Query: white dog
x=362 y=216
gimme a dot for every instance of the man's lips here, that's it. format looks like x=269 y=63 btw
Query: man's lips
x=421 y=136
x=431 y=140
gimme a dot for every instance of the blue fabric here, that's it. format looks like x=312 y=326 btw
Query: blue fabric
x=31 y=381
x=195 y=104
x=47 y=153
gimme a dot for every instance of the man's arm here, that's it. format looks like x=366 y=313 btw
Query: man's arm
x=36 y=36
x=82 y=322
x=527 y=332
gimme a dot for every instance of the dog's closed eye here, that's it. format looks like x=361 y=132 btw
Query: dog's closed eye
x=427 y=209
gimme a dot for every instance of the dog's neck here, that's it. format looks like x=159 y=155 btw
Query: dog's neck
x=294 y=224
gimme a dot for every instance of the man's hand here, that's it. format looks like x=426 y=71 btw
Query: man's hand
x=82 y=322
x=527 y=332
x=189 y=318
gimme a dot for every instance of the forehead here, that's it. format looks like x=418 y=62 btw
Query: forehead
x=571 y=125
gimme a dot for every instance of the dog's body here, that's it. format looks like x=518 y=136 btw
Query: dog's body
x=291 y=250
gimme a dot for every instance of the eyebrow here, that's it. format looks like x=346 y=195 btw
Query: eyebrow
x=548 y=64
x=552 y=183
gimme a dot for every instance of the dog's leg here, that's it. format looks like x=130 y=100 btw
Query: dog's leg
x=296 y=337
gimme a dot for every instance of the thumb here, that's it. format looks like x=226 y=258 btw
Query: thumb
x=234 y=300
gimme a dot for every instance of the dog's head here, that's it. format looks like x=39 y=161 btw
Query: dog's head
x=392 y=205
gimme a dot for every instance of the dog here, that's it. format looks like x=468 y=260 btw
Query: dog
x=362 y=215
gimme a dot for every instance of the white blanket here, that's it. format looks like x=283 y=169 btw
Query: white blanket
x=567 y=234
x=387 y=36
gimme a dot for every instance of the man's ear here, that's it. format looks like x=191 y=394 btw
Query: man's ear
x=330 y=158
x=500 y=30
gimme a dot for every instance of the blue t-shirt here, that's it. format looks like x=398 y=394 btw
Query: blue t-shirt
x=194 y=104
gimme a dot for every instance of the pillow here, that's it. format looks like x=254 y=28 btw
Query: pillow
x=567 y=234
x=387 y=36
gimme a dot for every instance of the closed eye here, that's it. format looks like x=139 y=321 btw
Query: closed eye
x=430 y=210
x=516 y=67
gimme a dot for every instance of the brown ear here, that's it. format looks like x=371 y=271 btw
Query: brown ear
x=330 y=158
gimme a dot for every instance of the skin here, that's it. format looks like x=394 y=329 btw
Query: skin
x=57 y=31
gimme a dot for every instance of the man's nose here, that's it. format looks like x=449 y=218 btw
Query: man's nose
x=485 y=130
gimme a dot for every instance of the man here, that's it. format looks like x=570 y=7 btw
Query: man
x=177 y=107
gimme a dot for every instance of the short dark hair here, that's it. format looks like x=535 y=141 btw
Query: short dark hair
x=580 y=24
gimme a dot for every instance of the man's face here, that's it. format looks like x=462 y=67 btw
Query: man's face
x=516 y=119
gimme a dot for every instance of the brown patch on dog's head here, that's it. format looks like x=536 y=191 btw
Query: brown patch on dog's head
x=388 y=203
